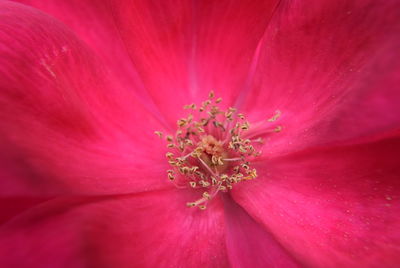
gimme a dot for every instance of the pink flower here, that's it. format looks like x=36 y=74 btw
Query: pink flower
x=84 y=178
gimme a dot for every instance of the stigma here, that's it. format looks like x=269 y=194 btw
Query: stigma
x=213 y=149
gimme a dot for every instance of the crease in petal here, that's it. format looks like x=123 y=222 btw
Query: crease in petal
x=250 y=244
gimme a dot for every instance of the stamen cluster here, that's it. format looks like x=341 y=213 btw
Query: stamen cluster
x=210 y=150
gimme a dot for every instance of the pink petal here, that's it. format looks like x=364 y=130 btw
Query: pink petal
x=157 y=38
x=183 y=49
x=63 y=117
x=332 y=68
x=93 y=22
x=249 y=244
x=153 y=229
x=225 y=39
x=332 y=207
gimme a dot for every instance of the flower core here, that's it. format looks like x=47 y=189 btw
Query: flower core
x=212 y=149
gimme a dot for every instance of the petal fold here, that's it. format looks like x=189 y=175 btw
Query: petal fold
x=251 y=245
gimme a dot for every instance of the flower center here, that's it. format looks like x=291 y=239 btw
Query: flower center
x=212 y=149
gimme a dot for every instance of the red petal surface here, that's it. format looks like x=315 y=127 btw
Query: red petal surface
x=93 y=22
x=183 y=50
x=249 y=244
x=334 y=207
x=64 y=118
x=153 y=229
x=332 y=68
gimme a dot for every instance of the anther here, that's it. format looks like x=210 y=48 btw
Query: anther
x=275 y=117
x=159 y=134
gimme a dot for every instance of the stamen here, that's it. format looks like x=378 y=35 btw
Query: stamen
x=213 y=150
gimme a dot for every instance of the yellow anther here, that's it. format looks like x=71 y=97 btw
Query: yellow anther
x=245 y=126
x=171 y=177
x=197 y=152
x=228 y=114
x=214 y=160
x=192 y=184
x=206 y=184
x=275 y=117
x=206 y=195
x=218 y=100
x=190 y=106
x=278 y=129
x=189 y=142
x=194 y=169
x=181 y=122
x=224 y=177
x=159 y=134
x=211 y=95
x=173 y=163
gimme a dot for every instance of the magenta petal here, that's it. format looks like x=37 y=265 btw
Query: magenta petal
x=332 y=207
x=226 y=35
x=332 y=68
x=183 y=50
x=146 y=230
x=64 y=118
x=157 y=38
x=249 y=244
x=93 y=23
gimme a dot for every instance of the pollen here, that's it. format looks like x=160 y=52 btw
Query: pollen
x=213 y=149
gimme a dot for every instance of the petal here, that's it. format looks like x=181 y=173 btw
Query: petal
x=156 y=35
x=93 y=23
x=64 y=118
x=333 y=207
x=153 y=229
x=332 y=69
x=249 y=244
x=224 y=50
x=183 y=50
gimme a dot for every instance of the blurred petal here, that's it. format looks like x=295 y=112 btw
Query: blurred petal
x=153 y=229
x=332 y=207
x=332 y=68
x=62 y=116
